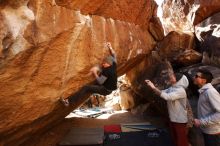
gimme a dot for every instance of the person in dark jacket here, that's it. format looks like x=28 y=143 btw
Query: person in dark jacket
x=106 y=79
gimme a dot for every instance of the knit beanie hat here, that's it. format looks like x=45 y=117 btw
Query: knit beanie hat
x=109 y=60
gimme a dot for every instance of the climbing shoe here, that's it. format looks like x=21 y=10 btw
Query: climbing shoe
x=64 y=101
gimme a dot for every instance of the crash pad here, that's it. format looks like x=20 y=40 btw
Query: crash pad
x=83 y=137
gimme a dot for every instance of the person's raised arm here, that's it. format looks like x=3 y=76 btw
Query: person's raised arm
x=111 y=50
x=155 y=89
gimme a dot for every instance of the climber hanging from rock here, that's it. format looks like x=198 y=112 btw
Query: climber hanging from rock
x=106 y=79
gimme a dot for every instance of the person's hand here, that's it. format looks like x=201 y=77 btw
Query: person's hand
x=95 y=71
x=108 y=44
x=197 y=122
x=150 y=84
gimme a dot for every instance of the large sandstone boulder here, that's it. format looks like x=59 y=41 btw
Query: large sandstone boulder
x=179 y=15
x=179 y=48
x=47 y=48
x=206 y=9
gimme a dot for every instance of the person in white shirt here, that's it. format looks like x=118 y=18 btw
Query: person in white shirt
x=208 y=108
x=176 y=98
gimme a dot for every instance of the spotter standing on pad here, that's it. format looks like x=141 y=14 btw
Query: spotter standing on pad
x=176 y=98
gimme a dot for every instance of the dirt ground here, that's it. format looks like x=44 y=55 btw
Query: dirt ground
x=54 y=136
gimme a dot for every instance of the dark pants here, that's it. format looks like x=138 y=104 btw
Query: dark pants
x=211 y=140
x=87 y=90
x=179 y=134
x=195 y=137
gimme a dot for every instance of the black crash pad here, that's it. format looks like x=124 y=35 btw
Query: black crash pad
x=159 y=137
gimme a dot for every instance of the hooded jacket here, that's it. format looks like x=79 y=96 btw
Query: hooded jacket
x=176 y=98
x=209 y=109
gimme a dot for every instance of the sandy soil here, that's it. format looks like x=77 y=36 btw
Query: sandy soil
x=53 y=136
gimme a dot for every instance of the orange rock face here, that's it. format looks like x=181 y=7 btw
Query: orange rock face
x=47 y=48
x=138 y=12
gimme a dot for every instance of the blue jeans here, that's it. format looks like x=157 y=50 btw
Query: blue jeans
x=211 y=140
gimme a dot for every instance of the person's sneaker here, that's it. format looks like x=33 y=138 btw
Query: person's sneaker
x=64 y=101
